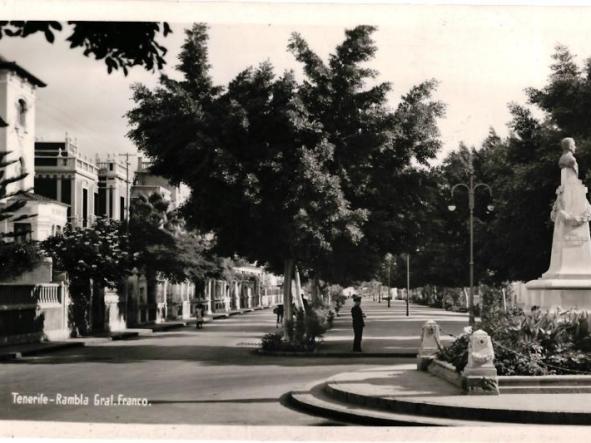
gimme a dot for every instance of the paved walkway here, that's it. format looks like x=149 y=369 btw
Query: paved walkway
x=389 y=330
x=399 y=394
x=208 y=376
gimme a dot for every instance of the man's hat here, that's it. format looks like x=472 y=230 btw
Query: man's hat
x=356 y=297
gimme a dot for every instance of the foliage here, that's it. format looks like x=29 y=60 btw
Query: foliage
x=250 y=152
x=160 y=243
x=93 y=258
x=310 y=169
x=98 y=253
x=339 y=301
x=452 y=298
x=305 y=330
x=272 y=341
x=457 y=352
x=522 y=172
x=17 y=258
x=121 y=45
x=299 y=329
x=537 y=343
x=374 y=149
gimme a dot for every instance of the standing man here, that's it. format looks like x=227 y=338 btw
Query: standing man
x=358 y=323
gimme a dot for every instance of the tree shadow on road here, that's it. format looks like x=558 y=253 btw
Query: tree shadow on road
x=200 y=354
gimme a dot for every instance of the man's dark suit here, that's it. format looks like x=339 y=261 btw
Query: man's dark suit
x=358 y=325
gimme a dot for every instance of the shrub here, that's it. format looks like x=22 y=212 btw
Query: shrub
x=339 y=302
x=271 y=341
x=536 y=343
x=299 y=330
x=456 y=353
x=17 y=258
x=329 y=319
x=302 y=333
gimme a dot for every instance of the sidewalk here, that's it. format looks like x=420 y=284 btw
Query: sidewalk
x=401 y=395
x=14 y=352
x=388 y=331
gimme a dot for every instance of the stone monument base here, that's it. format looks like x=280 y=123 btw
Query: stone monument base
x=565 y=294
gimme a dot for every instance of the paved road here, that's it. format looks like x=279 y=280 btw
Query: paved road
x=209 y=376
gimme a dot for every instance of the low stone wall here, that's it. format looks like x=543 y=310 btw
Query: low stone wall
x=445 y=371
x=33 y=313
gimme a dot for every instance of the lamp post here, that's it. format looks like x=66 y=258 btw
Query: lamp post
x=407 y=284
x=471 y=187
x=389 y=264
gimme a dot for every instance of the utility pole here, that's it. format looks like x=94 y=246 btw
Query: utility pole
x=127 y=184
x=389 y=262
x=407 y=284
x=127 y=211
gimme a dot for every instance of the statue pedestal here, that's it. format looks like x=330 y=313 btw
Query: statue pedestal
x=550 y=294
x=567 y=283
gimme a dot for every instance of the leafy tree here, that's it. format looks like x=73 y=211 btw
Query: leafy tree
x=258 y=165
x=161 y=245
x=92 y=257
x=121 y=45
x=374 y=149
x=16 y=257
x=515 y=242
x=523 y=172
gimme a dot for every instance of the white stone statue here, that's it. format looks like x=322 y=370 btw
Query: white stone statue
x=571 y=242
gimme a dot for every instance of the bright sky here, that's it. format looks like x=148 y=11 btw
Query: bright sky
x=483 y=57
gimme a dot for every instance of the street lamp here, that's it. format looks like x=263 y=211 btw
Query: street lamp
x=389 y=263
x=408 y=281
x=407 y=284
x=471 y=187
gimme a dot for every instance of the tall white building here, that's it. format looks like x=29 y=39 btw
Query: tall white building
x=17 y=137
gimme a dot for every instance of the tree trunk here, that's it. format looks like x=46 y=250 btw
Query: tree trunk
x=287 y=310
x=298 y=290
x=315 y=291
x=151 y=283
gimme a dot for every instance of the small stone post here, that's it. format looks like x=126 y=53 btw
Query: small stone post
x=429 y=345
x=480 y=374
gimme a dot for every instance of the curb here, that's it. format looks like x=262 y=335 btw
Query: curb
x=401 y=354
x=10 y=356
x=124 y=335
x=458 y=412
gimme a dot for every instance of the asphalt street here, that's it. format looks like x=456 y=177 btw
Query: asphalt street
x=207 y=376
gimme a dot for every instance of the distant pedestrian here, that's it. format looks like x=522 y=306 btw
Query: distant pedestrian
x=279 y=312
x=358 y=323
x=199 y=316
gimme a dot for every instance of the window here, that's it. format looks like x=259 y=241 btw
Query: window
x=84 y=208
x=22 y=232
x=22 y=113
x=122 y=208
x=67 y=190
x=46 y=187
x=110 y=194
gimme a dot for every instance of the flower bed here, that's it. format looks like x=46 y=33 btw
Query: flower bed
x=537 y=343
x=303 y=334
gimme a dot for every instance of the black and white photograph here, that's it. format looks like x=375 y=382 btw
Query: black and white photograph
x=295 y=221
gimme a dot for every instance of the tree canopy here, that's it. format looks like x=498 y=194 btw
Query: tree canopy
x=281 y=169
x=121 y=45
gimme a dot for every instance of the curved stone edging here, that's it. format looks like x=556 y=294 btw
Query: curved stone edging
x=424 y=408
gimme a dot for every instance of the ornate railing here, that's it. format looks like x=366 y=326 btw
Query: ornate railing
x=41 y=294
